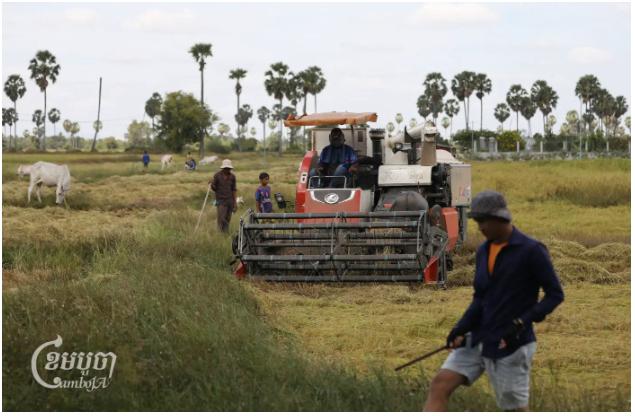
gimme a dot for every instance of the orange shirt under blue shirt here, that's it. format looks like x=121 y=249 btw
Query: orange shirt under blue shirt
x=494 y=249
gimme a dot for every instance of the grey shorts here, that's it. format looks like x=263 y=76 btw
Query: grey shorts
x=509 y=376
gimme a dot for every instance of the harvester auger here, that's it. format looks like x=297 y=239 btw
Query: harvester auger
x=398 y=218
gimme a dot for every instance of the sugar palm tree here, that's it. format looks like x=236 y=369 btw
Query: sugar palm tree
x=200 y=52
x=66 y=125
x=54 y=117
x=451 y=109
x=621 y=107
x=38 y=119
x=15 y=89
x=153 y=107
x=44 y=69
x=515 y=99
x=11 y=120
x=501 y=113
x=398 y=120
x=445 y=122
x=586 y=88
x=573 y=121
x=238 y=74
x=317 y=84
x=5 y=121
x=74 y=130
x=390 y=127
x=462 y=88
x=528 y=110
x=276 y=85
x=545 y=99
x=435 y=89
x=263 y=115
x=307 y=79
x=482 y=86
x=242 y=117
x=223 y=129
x=603 y=106
x=423 y=106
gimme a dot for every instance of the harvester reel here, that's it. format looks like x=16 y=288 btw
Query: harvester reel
x=346 y=247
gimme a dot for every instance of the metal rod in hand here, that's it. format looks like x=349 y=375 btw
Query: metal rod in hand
x=423 y=357
x=209 y=188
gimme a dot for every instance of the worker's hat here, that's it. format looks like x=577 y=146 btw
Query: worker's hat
x=226 y=164
x=488 y=204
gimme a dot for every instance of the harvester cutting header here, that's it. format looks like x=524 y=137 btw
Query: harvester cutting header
x=368 y=207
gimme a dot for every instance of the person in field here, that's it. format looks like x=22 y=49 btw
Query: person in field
x=495 y=334
x=224 y=185
x=145 y=159
x=263 y=194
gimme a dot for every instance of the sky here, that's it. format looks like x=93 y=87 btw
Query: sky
x=374 y=56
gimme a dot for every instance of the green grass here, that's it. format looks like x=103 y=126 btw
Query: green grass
x=122 y=271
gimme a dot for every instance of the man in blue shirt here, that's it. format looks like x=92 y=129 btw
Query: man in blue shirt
x=496 y=332
x=337 y=157
x=145 y=159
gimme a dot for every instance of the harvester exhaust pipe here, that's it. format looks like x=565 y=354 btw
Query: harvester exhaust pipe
x=429 y=147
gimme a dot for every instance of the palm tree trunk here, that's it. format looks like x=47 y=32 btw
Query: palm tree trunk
x=481 y=113
x=237 y=111
x=451 y=127
x=44 y=133
x=517 y=116
x=281 y=122
x=238 y=126
x=15 y=127
x=201 y=142
x=304 y=106
x=467 y=127
x=468 y=109
x=264 y=139
x=315 y=103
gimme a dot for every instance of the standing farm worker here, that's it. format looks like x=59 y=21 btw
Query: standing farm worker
x=336 y=159
x=224 y=185
x=263 y=194
x=496 y=332
x=145 y=159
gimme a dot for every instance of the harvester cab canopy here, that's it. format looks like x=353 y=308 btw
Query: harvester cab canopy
x=333 y=118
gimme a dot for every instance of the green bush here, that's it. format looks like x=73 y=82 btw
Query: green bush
x=507 y=141
x=217 y=145
x=464 y=137
x=245 y=145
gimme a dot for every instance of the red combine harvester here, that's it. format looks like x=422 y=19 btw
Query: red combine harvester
x=397 y=218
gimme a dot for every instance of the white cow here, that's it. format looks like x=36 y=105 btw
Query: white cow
x=208 y=160
x=50 y=174
x=166 y=161
x=24 y=170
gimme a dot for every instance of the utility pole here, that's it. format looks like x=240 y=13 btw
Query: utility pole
x=94 y=148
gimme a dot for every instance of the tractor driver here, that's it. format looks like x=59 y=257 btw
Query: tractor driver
x=337 y=157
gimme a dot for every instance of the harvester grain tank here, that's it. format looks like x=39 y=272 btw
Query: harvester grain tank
x=397 y=218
